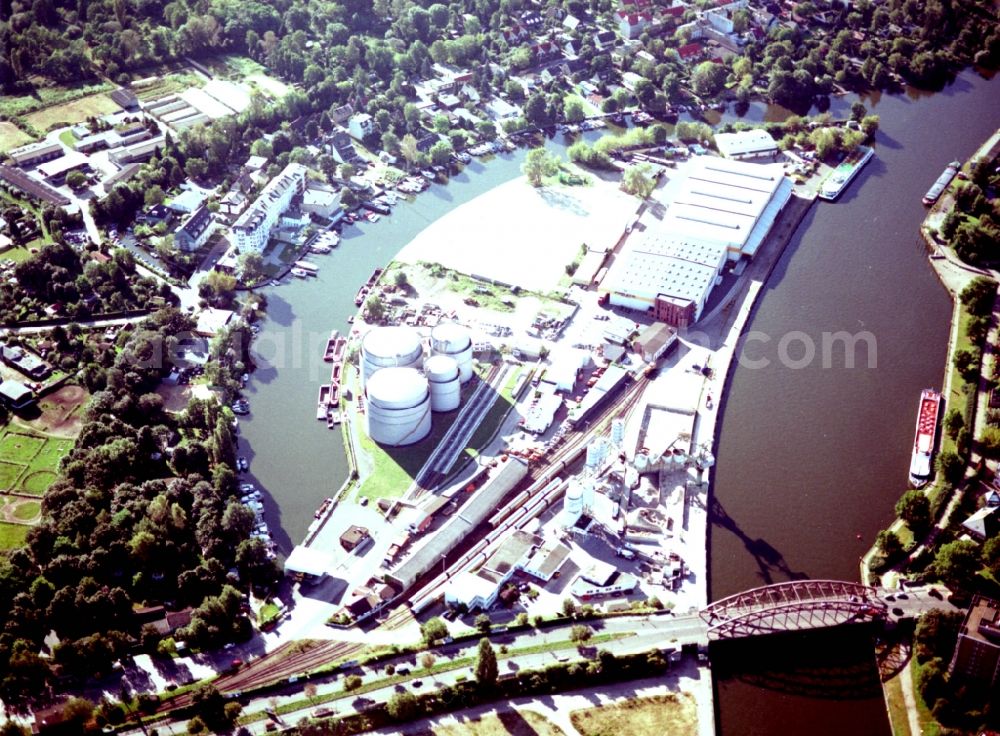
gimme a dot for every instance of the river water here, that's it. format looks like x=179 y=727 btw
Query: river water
x=808 y=457
x=813 y=454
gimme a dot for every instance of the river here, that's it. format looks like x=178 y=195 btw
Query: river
x=808 y=458
x=812 y=459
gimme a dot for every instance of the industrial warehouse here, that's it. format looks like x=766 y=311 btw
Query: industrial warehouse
x=717 y=211
x=555 y=446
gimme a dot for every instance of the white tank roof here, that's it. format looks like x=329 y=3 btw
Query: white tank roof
x=441 y=369
x=449 y=337
x=397 y=388
x=391 y=343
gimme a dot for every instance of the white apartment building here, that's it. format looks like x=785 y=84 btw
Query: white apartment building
x=252 y=228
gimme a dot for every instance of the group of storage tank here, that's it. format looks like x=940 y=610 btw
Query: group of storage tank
x=400 y=396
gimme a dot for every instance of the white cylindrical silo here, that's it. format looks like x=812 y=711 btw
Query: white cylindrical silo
x=443 y=376
x=398 y=406
x=587 y=489
x=389 y=347
x=618 y=431
x=573 y=501
x=454 y=341
x=596 y=453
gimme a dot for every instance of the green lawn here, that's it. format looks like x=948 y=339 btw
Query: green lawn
x=12 y=536
x=28 y=510
x=395 y=467
x=38 y=482
x=51 y=454
x=20 y=448
x=29 y=463
x=9 y=473
x=897 y=707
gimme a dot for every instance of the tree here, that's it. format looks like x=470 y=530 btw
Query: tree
x=934 y=635
x=374 y=309
x=433 y=630
x=568 y=607
x=954 y=422
x=967 y=363
x=76 y=180
x=956 y=563
x=153 y=196
x=580 y=634
x=638 y=181
x=427 y=661
x=991 y=556
x=483 y=623
x=352 y=682
x=441 y=152
x=538 y=164
x=78 y=711
x=402 y=706
x=400 y=279
x=573 y=109
x=888 y=543
x=950 y=465
x=251 y=265
x=914 y=508
x=979 y=295
x=486 y=665
x=708 y=77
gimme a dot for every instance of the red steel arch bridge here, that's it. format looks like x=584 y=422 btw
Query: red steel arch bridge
x=798 y=605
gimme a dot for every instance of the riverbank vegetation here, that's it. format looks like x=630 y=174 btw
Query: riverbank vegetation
x=972 y=225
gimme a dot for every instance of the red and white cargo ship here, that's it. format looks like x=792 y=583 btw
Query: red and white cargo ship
x=926 y=435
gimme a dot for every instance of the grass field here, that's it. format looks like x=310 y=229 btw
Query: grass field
x=12 y=535
x=897 y=707
x=653 y=716
x=70 y=113
x=20 y=448
x=29 y=463
x=507 y=723
x=9 y=473
x=28 y=510
x=11 y=136
x=48 y=97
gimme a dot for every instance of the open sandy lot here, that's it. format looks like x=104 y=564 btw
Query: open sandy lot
x=11 y=136
x=521 y=235
x=70 y=113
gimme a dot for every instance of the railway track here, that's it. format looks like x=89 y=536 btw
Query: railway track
x=522 y=506
x=285 y=661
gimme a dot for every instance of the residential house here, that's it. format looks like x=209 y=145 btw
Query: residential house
x=361 y=126
x=252 y=229
x=631 y=24
x=195 y=231
x=187 y=201
x=690 y=51
x=320 y=200
x=984 y=524
x=155 y=215
x=342 y=148
x=342 y=114
x=604 y=40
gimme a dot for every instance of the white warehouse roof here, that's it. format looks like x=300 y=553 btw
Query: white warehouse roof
x=720 y=200
x=754 y=142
